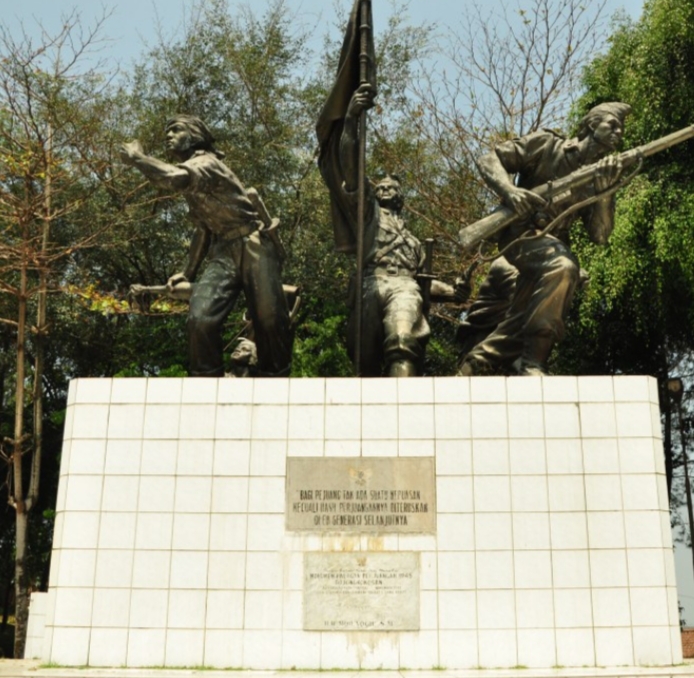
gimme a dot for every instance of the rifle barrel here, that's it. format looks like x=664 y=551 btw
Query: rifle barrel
x=662 y=144
x=470 y=236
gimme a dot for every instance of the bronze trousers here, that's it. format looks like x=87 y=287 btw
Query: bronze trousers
x=490 y=306
x=251 y=265
x=548 y=274
x=393 y=326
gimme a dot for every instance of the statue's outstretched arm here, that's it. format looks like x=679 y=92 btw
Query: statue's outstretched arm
x=158 y=172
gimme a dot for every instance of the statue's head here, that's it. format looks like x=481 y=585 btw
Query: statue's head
x=185 y=133
x=245 y=354
x=389 y=194
x=605 y=123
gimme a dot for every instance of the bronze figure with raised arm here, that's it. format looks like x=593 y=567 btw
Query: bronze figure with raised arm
x=520 y=312
x=242 y=252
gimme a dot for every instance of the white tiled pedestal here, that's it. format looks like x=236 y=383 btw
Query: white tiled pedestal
x=553 y=543
x=36 y=629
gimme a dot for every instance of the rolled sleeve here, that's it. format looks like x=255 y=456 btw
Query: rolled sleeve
x=523 y=154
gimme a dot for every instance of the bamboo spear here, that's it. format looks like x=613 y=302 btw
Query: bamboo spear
x=364 y=32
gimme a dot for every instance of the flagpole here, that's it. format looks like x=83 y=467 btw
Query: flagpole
x=364 y=32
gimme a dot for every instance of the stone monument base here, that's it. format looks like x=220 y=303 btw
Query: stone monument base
x=186 y=536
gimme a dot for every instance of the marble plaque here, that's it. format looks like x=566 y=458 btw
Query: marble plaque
x=361 y=591
x=361 y=494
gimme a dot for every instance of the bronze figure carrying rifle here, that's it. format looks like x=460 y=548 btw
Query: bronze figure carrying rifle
x=560 y=191
x=519 y=312
x=516 y=334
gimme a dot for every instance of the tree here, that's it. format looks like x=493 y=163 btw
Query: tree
x=502 y=72
x=50 y=115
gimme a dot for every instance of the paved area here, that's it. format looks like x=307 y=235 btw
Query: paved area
x=11 y=668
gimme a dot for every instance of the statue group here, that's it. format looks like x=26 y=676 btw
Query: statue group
x=545 y=183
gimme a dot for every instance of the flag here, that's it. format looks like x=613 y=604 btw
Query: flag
x=331 y=120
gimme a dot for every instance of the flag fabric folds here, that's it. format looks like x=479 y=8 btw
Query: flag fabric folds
x=331 y=121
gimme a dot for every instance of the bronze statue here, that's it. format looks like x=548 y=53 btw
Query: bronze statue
x=520 y=312
x=489 y=307
x=243 y=252
x=388 y=329
x=394 y=330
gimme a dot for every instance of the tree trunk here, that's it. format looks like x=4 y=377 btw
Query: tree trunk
x=666 y=404
x=5 y=346
x=17 y=497
x=41 y=329
x=22 y=593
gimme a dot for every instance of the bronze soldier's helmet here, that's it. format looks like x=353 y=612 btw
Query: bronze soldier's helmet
x=617 y=108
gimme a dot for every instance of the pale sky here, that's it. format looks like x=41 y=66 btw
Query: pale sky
x=134 y=21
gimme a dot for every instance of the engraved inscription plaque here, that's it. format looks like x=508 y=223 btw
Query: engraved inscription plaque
x=361 y=494
x=362 y=591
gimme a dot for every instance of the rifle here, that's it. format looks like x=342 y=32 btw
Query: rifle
x=558 y=192
x=139 y=296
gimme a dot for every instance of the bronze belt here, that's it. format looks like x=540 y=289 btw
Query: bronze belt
x=239 y=232
x=391 y=270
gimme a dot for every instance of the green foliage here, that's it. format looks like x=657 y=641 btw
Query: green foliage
x=319 y=349
x=441 y=358
x=136 y=371
x=637 y=314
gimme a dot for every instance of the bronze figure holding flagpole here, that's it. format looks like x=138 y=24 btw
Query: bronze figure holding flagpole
x=388 y=329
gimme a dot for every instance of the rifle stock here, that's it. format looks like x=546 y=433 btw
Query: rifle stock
x=470 y=236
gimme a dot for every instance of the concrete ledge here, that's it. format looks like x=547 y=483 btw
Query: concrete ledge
x=10 y=668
